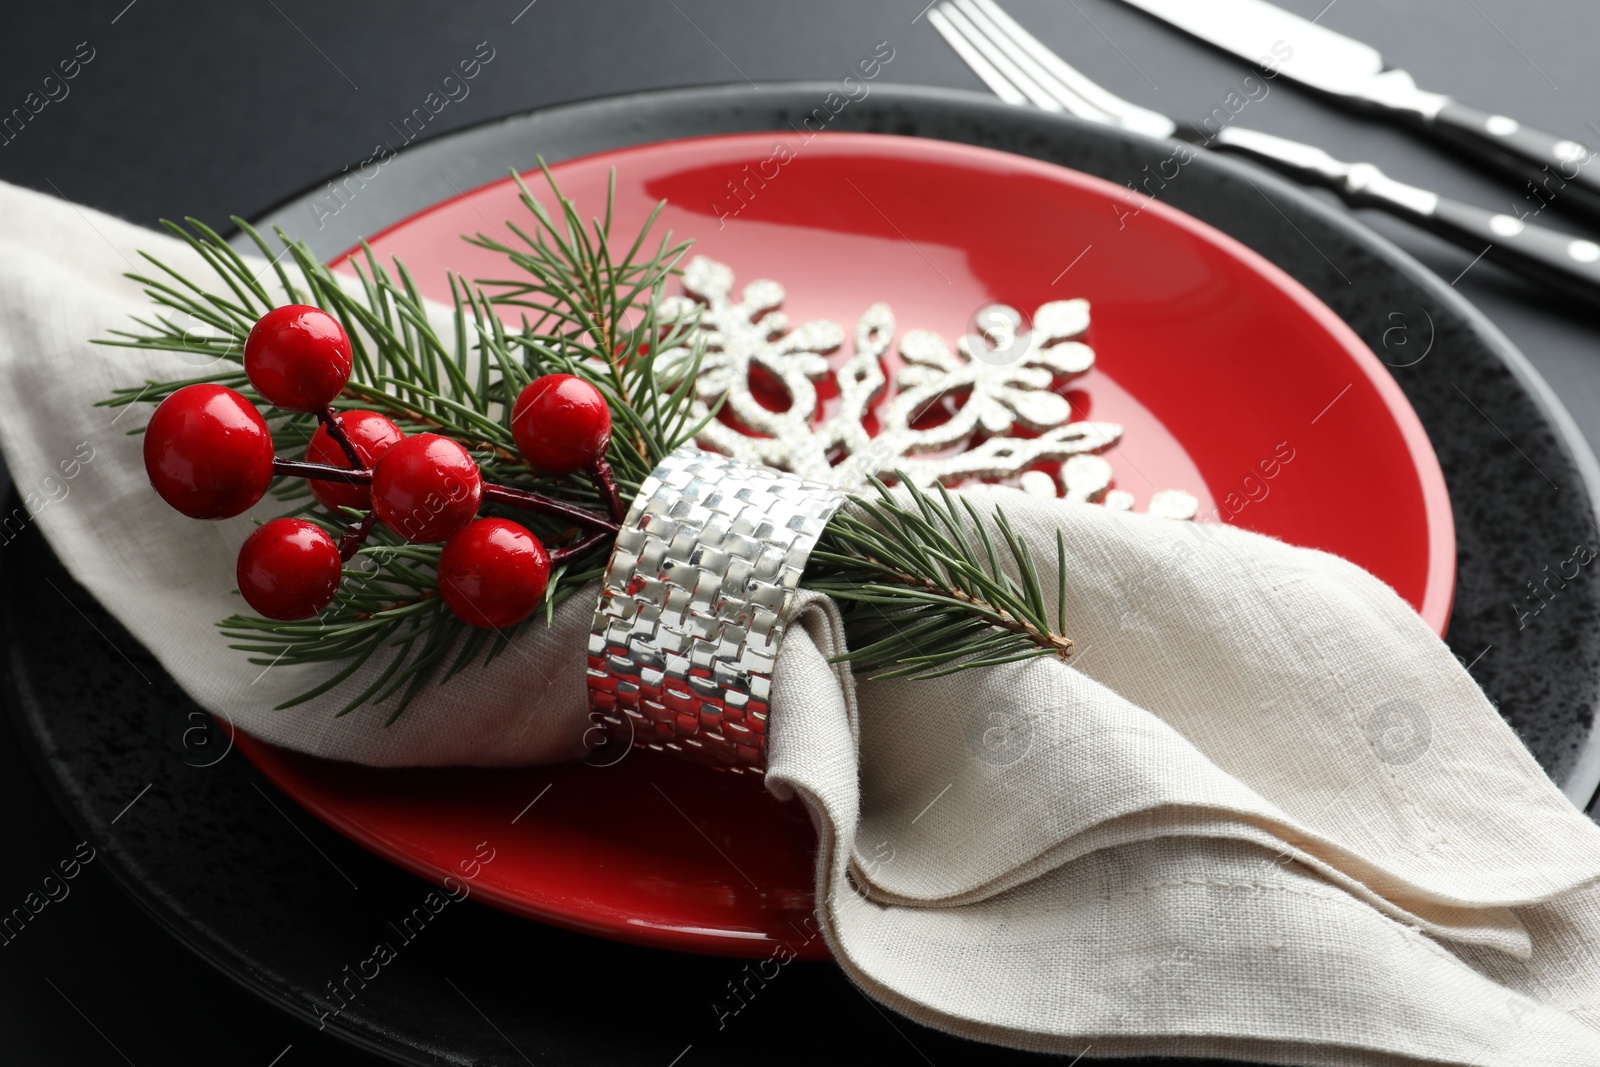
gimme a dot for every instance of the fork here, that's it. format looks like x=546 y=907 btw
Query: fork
x=1021 y=70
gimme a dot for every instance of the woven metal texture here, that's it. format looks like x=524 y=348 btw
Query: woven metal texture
x=686 y=636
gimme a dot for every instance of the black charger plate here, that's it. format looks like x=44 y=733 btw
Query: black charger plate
x=287 y=907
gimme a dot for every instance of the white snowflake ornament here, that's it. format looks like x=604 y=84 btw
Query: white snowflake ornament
x=998 y=389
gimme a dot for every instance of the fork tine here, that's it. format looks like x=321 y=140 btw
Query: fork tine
x=999 y=60
x=1047 y=82
x=1124 y=113
x=973 y=58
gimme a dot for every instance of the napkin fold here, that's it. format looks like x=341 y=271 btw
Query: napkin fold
x=1193 y=840
x=1264 y=814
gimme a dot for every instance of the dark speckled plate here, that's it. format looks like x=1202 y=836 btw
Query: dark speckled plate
x=291 y=909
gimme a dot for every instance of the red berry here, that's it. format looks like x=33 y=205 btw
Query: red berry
x=208 y=452
x=561 y=424
x=372 y=434
x=289 y=569
x=493 y=573
x=297 y=357
x=426 y=487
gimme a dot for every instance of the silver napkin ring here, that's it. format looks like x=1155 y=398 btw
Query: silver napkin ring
x=686 y=636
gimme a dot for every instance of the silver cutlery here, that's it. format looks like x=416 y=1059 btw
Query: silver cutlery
x=1354 y=73
x=1021 y=70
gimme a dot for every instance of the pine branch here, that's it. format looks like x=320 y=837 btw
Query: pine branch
x=928 y=584
x=918 y=601
x=592 y=310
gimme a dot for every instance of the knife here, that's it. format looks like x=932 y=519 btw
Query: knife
x=1353 y=72
x=1022 y=70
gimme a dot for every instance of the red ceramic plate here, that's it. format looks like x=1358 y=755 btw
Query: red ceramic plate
x=1231 y=380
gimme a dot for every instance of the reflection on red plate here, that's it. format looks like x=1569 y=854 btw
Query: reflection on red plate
x=1232 y=382
x=652 y=849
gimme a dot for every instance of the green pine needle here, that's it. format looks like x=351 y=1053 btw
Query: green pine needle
x=918 y=601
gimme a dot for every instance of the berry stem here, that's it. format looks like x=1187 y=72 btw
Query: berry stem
x=355 y=535
x=566 y=552
x=342 y=439
x=521 y=498
x=527 y=498
x=606 y=482
x=322 y=472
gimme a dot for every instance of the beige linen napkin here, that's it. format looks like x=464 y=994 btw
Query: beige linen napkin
x=1198 y=839
x=1264 y=814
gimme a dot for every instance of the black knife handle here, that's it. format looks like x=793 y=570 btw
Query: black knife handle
x=1549 y=257
x=1557 y=170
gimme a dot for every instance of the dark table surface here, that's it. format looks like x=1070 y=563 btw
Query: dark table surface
x=217 y=109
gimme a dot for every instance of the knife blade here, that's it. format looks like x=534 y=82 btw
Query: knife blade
x=1558 y=169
